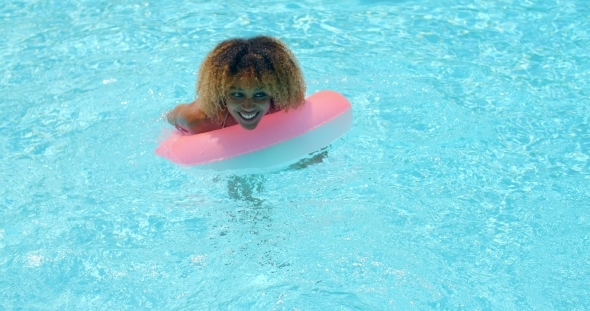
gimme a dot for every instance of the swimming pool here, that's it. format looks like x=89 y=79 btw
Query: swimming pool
x=463 y=183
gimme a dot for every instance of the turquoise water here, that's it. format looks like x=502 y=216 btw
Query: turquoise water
x=464 y=182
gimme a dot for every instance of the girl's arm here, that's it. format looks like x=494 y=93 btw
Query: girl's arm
x=190 y=119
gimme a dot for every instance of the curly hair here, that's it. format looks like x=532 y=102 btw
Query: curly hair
x=266 y=59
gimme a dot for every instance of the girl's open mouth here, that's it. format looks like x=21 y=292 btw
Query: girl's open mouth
x=248 y=116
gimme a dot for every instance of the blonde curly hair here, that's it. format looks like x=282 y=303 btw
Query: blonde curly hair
x=266 y=59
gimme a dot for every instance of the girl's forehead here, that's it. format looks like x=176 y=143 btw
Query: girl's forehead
x=246 y=81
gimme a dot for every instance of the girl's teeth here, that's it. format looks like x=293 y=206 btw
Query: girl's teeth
x=247 y=116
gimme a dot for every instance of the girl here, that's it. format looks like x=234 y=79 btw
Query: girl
x=239 y=82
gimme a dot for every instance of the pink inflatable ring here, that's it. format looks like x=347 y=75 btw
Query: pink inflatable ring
x=278 y=139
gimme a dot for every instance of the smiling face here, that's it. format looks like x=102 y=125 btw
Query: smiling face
x=247 y=102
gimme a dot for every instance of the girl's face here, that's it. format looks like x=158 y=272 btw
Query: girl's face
x=247 y=102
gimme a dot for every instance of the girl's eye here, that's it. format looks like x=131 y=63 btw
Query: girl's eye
x=260 y=95
x=236 y=95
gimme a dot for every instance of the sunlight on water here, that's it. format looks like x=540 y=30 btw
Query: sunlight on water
x=463 y=183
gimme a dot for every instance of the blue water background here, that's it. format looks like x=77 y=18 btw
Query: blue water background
x=464 y=182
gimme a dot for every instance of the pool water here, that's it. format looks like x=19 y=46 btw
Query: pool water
x=464 y=182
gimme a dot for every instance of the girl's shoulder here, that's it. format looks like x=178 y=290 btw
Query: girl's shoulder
x=192 y=119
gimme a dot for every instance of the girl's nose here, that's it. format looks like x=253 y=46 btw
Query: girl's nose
x=247 y=103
